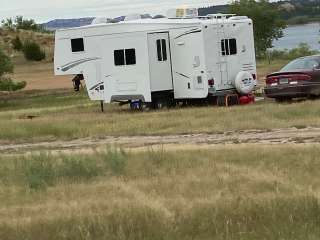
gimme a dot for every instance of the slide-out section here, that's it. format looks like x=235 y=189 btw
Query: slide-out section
x=125 y=67
x=190 y=79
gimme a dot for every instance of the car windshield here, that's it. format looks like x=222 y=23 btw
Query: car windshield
x=302 y=63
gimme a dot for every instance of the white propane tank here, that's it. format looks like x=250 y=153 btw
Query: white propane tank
x=244 y=82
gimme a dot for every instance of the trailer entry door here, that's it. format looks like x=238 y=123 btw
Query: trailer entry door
x=160 y=62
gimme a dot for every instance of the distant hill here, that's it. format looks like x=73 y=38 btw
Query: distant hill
x=294 y=11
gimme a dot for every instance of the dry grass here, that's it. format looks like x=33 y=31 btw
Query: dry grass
x=74 y=116
x=234 y=192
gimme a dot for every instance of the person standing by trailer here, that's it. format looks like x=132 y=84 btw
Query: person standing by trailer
x=77 y=82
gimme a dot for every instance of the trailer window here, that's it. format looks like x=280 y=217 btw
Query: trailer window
x=77 y=45
x=130 y=56
x=159 y=50
x=119 y=57
x=228 y=46
x=162 y=50
x=125 y=57
x=233 y=46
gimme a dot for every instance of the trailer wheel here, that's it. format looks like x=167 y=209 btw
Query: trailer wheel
x=136 y=105
x=221 y=101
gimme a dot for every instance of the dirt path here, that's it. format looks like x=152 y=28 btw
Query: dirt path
x=275 y=136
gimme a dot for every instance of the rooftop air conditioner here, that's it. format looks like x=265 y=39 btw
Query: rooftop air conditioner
x=182 y=13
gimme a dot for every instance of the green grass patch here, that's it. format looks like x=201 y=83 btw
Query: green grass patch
x=40 y=171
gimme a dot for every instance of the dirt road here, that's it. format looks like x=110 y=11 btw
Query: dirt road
x=275 y=136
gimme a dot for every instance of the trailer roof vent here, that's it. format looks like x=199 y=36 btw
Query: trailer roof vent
x=182 y=13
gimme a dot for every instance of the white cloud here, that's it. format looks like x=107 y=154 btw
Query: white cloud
x=47 y=10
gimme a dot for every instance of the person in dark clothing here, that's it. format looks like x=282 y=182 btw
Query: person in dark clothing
x=77 y=82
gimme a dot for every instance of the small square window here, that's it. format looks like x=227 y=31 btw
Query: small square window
x=119 y=57
x=77 y=45
x=229 y=46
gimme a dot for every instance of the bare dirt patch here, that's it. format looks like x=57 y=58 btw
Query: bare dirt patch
x=40 y=76
x=275 y=136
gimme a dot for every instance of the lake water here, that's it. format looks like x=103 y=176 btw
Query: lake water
x=293 y=35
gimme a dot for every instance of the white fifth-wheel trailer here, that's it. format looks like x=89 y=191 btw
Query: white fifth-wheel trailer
x=181 y=58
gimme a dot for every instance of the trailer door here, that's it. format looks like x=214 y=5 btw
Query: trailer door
x=160 y=62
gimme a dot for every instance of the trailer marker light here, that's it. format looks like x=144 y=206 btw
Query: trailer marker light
x=211 y=82
x=254 y=76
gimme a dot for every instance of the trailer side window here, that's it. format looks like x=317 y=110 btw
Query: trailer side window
x=77 y=45
x=124 y=57
x=162 y=50
x=130 y=56
x=159 y=50
x=119 y=57
x=228 y=46
x=233 y=46
x=223 y=47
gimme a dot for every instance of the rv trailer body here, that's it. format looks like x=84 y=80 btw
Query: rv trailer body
x=136 y=60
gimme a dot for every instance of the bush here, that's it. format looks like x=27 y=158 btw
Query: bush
x=302 y=50
x=77 y=168
x=17 y=44
x=38 y=172
x=6 y=65
x=115 y=160
x=6 y=84
x=33 y=52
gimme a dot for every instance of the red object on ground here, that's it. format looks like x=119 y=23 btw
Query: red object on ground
x=246 y=99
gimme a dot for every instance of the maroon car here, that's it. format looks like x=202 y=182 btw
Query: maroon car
x=300 y=78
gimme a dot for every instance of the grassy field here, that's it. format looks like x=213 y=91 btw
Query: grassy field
x=234 y=192
x=70 y=116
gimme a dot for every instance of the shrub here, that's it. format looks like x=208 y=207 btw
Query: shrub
x=17 y=44
x=116 y=161
x=6 y=65
x=33 y=52
x=77 y=168
x=38 y=171
x=6 y=84
x=302 y=50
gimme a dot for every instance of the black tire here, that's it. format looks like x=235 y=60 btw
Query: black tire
x=221 y=101
x=283 y=99
x=313 y=97
x=136 y=106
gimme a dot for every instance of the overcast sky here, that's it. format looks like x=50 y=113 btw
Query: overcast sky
x=42 y=10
